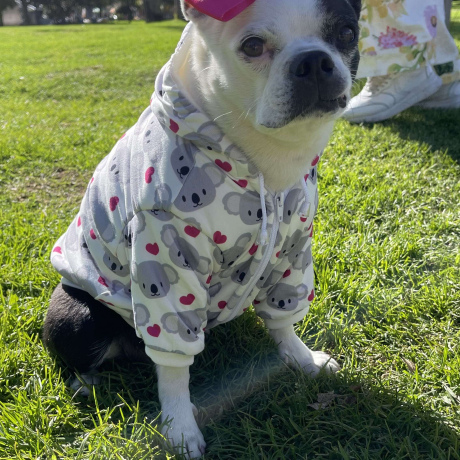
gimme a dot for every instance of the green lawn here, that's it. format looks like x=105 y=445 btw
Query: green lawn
x=387 y=263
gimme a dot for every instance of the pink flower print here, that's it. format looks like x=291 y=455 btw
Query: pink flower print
x=431 y=19
x=395 y=38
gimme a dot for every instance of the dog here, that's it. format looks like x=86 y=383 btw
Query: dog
x=206 y=205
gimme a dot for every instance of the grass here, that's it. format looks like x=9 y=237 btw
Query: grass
x=387 y=264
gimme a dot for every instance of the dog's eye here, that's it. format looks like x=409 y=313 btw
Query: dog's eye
x=253 y=47
x=347 y=35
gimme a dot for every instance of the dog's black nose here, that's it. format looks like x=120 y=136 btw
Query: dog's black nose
x=259 y=214
x=312 y=64
x=184 y=170
x=317 y=84
x=195 y=198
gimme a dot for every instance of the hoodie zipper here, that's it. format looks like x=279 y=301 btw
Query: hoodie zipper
x=279 y=211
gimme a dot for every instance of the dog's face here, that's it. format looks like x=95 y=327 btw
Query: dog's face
x=283 y=61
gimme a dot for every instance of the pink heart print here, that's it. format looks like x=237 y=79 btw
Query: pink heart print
x=222 y=304
x=187 y=299
x=242 y=183
x=154 y=330
x=219 y=238
x=312 y=295
x=225 y=165
x=191 y=231
x=148 y=174
x=152 y=248
x=113 y=203
x=173 y=126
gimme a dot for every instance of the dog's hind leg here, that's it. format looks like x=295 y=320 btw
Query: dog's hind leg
x=83 y=333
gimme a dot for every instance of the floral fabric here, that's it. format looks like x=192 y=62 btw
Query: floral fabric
x=399 y=35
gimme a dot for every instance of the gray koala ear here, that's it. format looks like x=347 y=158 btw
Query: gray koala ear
x=232 y=203
x=214 y=173
x=203 y=266
x=212 y=131
x=172 y=275
x=163 y=196
x=170 y=322
x=169 y=235
x=244 y=239
x=302 y=291
x=134 y=273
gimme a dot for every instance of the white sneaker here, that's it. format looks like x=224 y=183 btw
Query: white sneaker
x=447 y=97
x=386 y=96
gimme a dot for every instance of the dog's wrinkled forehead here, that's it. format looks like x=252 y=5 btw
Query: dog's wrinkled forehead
x=284 y=21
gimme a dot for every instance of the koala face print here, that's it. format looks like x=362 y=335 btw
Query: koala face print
x=230 y=256
x=183 y=158
x=199 y=190
x=114 y=265
x=214 y=289
x=154 y=279
x=162 y=197
x=300 y=260
x=147 y=141
x=290 y=205
x=118 y=286
x=183 y=107
x=187 y=324
x=101 y=218
x=141 y=314
x=240 y=274
x=294 y=243
x=183 y=254
x=245 y=205
x=286 y=297
x=164 y=216
x=269 y=277
x=312 y=175
x=207 y=136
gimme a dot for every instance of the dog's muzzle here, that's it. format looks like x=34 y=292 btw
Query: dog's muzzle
x=317 y=84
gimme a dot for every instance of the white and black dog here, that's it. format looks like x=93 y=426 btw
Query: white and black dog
x=206 y=205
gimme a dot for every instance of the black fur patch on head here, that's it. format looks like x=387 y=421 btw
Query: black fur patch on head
x=340 y=14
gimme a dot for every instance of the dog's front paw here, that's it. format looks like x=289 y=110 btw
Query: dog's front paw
x=295 y=353
x=183 y=433
x=324 y=361
x=83 y=384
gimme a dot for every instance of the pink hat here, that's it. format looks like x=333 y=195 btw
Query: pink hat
x=223 y=10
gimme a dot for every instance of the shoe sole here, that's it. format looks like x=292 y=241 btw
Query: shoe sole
x=446 y=103
x=431 y=86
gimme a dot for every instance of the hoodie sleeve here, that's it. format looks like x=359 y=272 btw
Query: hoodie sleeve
x=171 y=263
x=286 y=300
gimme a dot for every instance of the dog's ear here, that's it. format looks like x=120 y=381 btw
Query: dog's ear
x=190 y=13
x=356 y=5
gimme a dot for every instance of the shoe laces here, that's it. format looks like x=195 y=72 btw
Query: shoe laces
x=374 y=84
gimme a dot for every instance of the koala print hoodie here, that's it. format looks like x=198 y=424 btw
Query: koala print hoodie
x=177 y=232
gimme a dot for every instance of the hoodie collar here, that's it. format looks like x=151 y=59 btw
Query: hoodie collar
x=176 y=112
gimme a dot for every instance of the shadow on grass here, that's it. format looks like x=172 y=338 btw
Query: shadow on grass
x=437 y=128
x=252 y=406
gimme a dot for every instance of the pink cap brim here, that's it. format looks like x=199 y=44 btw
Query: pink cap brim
x=222 y=10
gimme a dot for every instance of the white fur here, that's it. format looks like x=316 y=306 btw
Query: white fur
x=177 y=411
x=244 y=100
x=295 y=353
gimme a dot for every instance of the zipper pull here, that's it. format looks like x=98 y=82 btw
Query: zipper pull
x=280 y=206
